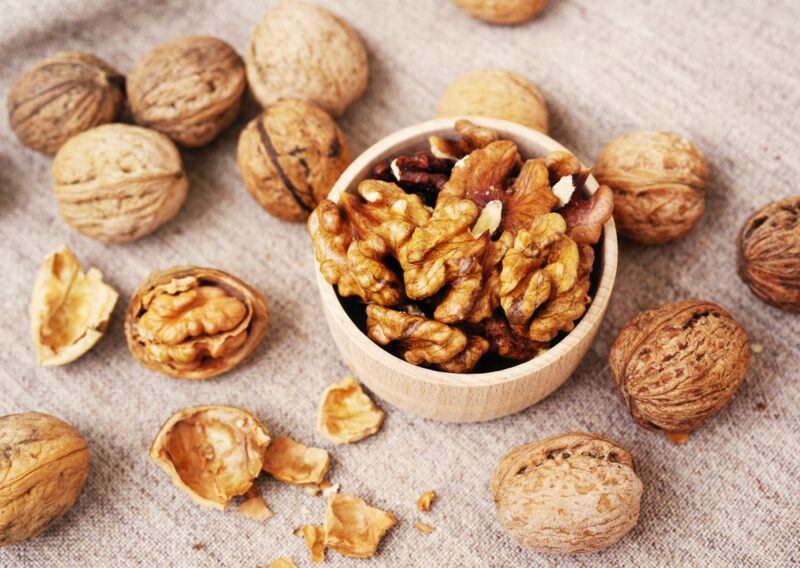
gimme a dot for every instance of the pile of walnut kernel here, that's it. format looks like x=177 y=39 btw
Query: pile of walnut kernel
x=466 y=249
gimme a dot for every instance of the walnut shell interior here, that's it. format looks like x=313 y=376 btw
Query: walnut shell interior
x=353 y=528
x=346 y=414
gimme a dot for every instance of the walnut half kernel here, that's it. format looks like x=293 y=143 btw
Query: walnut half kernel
x=194 y=323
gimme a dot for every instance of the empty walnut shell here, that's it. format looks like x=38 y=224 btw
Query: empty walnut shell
x=213 y=453
x=43 y=466
x=769 y=254
x=189 y=88
x=495 y=93
x=658 y=180
x=569 y=494
x=65 y=94
x=117 y=182
x=678 y=364
x=290 y=156
x=507 y=12
x=302 y=51
x=194 y=323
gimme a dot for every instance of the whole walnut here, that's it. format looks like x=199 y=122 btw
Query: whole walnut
x=302 y=51
x=290 y=156
x=495 y=93
x=678 y=364
x=769 y=253
x=65 y=94
x=43 y=466
x=658 y=180
x=569 y=494
x=189 y=88
x=117 y=182
x=502 y=11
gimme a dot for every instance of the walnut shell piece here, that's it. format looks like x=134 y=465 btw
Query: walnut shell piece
x=69 y=308
x=569 y=494
x=346 y=414
x=194 y=323
x=769 y=253
x=658 y=180
x=678 y=364
x=353 y=528
x=290 y=156
x=213 y=453
x=189 y=88
x=302 y=51
x=507 y=12
x=117 y=182
x=61 y=96
x=293 y=462
x=43 y=467
x=496 y=93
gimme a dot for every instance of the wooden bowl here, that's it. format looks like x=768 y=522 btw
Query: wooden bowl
x=465 y=397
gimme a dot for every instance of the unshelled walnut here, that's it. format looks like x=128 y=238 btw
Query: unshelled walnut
x=301 y=51
x=117 y=182
x=43 y=466
x=769 y=253
x=290 y=156
x=569 y=494
x=678 y=364
x=194 y=323
x=61 y=96
x=658 y=180
x=346 y=414
x=508 y=12
x=189 y=88
x=69 y=308
x=213 y=453
x=496 y=93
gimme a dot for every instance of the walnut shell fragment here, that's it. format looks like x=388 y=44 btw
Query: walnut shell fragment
x=569 y=494
x=314 y=538
x=213 y=453
x=346 y=414
x=189 y=88
x=505 y=12
x=43 y=467
x=61 y=96
x=117 y=182
x=678 y=364
x=769 y=254
x=282 y=562
x=353 y=528
x=194 y=323
x=254 y=507
x=425 y=500
x=69 y=308
x=292 y=462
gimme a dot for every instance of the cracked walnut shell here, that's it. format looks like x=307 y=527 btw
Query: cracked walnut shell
x=506 y=12
x=293 y=462
x=290 y=156
x=346 y=414
x=769 y=254
x=658 y=180
x=117 y=182
x=194 y=323
x=213 y=453
x=569 y=494
x=61 y=96
x=189 y=88
x=301 y=51
x=678 y=364
x=69 y=309
x=43 y=467
x=353 y=528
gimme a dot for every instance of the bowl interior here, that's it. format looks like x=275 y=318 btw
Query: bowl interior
x=531 y=144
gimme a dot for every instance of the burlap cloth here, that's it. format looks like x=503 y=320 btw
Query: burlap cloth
x=723 y=73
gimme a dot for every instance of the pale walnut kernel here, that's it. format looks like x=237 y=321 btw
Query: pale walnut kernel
x=292 y=462
x=346 y=414
x=353 y=528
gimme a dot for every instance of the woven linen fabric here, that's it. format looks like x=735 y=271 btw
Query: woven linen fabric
x=725 y=74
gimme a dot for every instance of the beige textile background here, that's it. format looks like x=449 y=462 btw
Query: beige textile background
x=725 y=73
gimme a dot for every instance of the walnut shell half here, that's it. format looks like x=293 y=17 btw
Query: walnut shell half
x=65 y=94
x=769 y=253
x=678 y=364
x=213 y=453
x=194 y=323
x=43 y=466
x=568 y=494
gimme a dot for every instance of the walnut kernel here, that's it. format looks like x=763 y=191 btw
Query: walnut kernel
x=346 y=414
x=507 y=12
x=292 y=462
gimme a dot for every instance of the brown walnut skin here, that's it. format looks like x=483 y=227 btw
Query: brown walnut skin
x=65 y=94
x=678 y=364
x=290 y=156
x=189 y=88
x=769 y=254
x=43 y=467
x=658 y=180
